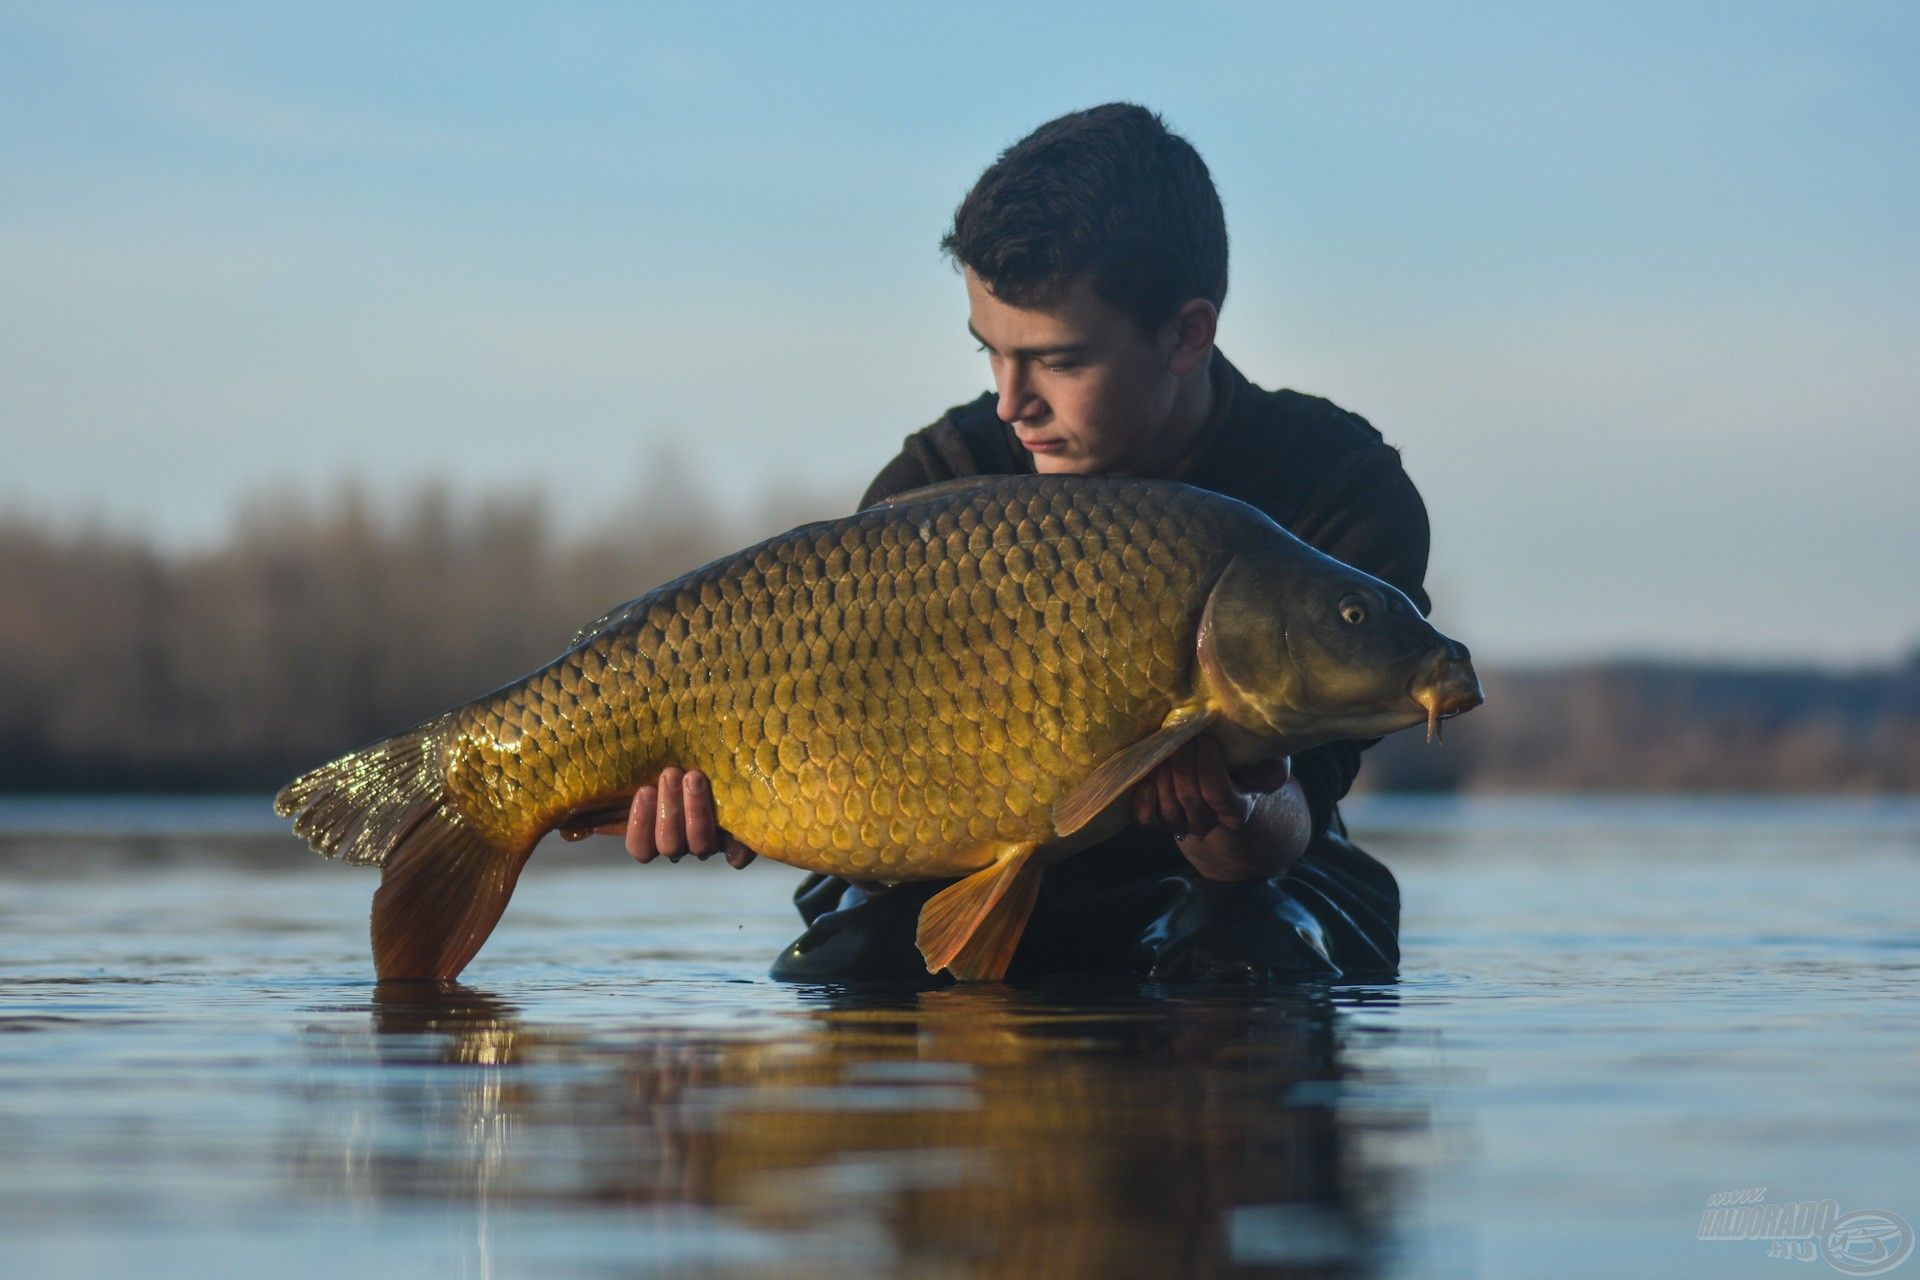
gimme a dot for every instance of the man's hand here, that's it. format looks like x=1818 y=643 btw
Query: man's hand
x=1246 y=825
x=674 y=817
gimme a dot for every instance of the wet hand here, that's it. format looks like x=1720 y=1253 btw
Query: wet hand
x=1193 y=793
x=674 y=817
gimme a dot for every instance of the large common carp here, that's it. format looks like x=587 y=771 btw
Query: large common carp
x=961 y=681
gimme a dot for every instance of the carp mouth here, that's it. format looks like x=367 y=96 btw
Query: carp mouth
x=1446 y=689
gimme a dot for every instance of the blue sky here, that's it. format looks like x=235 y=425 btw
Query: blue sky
x=1633 y=286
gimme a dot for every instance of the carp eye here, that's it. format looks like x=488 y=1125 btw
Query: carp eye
x=1353 y=610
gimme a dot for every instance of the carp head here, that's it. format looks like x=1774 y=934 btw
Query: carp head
x=1298 y=647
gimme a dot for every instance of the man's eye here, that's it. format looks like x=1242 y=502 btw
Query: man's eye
x=1059 y=366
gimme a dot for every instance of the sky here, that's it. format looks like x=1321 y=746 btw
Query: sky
x=1635 y=288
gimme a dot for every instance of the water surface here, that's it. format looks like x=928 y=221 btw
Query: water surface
x=1609 y=1012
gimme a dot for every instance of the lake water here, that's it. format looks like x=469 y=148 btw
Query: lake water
x=1609 y=1013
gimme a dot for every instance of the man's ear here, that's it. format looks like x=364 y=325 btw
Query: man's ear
x=1194 y=327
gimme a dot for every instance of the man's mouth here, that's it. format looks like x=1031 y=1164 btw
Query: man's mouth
x=1042 y=446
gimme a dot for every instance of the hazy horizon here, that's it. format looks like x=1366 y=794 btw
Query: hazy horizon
x=1632 y=289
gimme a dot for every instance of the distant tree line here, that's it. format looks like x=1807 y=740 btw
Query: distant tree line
x=316 y=627
x=313 y=629
x=1672 y=727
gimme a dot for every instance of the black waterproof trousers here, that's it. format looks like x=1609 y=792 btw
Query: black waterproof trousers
x=1133 y=907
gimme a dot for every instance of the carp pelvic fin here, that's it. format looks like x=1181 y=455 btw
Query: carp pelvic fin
x=972 y=928
x=444 y=885
x=1116 y=775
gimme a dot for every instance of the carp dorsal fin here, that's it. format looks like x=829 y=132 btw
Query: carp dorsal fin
x=611 y=619
x=971 y=928
x=938 y=489
x=1117 y=774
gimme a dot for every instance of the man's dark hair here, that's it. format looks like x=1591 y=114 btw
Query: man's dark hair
x=1110 y=193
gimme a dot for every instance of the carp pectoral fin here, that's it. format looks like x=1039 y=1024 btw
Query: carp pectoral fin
x=971 y=928
x=1116 y=775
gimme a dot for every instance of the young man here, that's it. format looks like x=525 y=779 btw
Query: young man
x=1095 y=258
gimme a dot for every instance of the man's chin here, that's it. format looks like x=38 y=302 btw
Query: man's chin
x=1060 y=464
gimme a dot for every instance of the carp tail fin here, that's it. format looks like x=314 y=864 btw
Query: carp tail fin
x=972 y=928
x=358 y=808
x=444 y=883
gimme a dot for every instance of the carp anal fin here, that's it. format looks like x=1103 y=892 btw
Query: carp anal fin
x=1116 y=775
x=972 y=928
x=445 y=884
x=440 y=895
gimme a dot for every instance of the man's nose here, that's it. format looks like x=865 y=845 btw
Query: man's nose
x=1017 y=400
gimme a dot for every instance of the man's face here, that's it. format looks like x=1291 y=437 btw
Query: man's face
x=1085 y=391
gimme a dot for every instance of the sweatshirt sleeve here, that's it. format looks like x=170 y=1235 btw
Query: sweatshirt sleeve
x=944 y=451
x=1367 y=513
x=906 y=471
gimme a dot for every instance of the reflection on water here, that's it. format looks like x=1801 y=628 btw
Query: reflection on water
x=1073 y=1131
